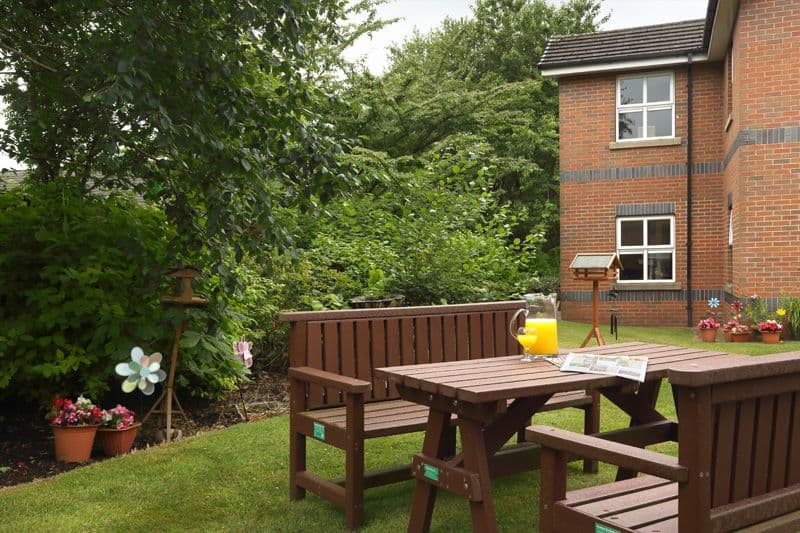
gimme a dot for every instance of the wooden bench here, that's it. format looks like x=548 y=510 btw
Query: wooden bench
x=335 y=399
x=738 y=464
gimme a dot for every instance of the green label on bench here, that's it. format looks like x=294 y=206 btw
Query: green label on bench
x=430 y=472
x=319 y=431
x=602 y=528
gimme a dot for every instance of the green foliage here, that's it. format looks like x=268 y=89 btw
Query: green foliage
x=80 y=287
x=756 y=311
x=478 y=77
x=791 y=304
x=82 y=280
x=432 y=230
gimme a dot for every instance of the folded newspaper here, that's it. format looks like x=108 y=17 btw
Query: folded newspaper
x=611 y=365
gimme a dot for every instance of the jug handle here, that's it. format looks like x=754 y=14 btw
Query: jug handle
x=511 y=329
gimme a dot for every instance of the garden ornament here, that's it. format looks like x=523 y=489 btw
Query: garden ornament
x=241 y=349
x=143 y=371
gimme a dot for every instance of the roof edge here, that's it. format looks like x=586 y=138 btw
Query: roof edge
x=621 y=65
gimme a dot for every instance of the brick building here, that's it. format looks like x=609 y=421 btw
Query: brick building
x=680 y=150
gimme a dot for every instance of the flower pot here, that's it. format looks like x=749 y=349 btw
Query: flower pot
x=770 y=337
x=728 y=335
x=74 y=443
x=740 y=337
x=117 y=441
x=708 y=335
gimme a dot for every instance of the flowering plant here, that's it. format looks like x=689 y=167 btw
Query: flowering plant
x=82 y=412
x=770 y=326
x=708 y=323
x=120 y=417
x=734 y=326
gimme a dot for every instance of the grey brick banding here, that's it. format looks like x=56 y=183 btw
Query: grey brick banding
x=699 y=295
x=779 y=135
x=637 y=210
x=650 y=171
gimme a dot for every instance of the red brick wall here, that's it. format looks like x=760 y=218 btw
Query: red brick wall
x=588 y=209
x=765 y=177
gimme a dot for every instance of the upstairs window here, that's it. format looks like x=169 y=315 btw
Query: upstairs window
x=646 y=106
x=646 y=248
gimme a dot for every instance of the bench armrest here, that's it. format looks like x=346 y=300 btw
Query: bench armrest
x=330 y=379
x=629 y=457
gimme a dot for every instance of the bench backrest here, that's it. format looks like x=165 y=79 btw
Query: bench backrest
x=352 y=342
x=739 y=435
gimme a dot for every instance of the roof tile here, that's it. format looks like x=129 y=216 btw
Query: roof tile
x=662 y=40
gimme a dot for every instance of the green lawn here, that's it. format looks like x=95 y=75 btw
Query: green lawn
x=236 y=479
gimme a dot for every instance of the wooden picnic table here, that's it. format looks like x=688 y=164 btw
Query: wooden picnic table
x=494 y=398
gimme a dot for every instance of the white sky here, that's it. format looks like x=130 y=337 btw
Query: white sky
x=427 y=14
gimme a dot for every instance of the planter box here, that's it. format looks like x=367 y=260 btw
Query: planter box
x=74 y=443
x=117 y=441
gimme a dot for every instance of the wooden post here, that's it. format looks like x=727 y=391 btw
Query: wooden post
x=595 y=331
x=173 y=362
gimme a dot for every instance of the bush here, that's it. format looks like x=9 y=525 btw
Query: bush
x=80 y=286
x=81 y=283
x=438 y=233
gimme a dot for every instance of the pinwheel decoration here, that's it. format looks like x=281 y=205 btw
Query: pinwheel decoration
x=142 y=370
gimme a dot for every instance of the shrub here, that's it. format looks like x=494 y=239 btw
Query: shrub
x=80 y=286
x=81 y=283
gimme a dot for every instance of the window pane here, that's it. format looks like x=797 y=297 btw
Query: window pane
x=632 y=267
x=659 y=265
x=630 y=125
x=658 y=89
x=659 y=123
x=631 y=91
x=659 y=232
x=631 y=233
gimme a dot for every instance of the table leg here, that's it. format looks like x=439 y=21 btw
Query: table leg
x=476 y=459
x=641 y=407
x=436 y=444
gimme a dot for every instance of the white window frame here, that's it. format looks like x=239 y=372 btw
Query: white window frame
x=645 y=248
x=644 y=107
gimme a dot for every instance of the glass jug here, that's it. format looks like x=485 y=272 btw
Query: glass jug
x=539 y=337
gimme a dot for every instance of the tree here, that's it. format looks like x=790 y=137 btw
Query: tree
x=206 y=107
x=479 y=77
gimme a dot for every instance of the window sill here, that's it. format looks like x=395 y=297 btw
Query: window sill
x=646 y=286
x=646 y=143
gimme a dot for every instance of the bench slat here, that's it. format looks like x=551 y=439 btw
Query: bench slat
x=723 y=458
x=780 y=444
x=407 y=341
x=793 y=474
x=378 y=350
x=744 y=450
x=462 y=337
x=449 y=338
x=393 y=357
x=330 y=350
x=316 y=394
x=762 y=446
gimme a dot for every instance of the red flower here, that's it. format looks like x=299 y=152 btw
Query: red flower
x=59 y=403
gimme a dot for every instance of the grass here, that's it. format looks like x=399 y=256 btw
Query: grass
x=236 y=479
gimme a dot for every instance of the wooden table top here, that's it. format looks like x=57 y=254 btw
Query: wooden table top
x=504 y=378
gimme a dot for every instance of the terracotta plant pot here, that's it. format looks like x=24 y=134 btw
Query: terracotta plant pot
x=740 y=337
x=770 y=337
x=74 y=443
x=708 y=335
x=117 y=441
x=728 y=335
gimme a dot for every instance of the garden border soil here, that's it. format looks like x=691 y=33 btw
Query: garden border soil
x=26 y=439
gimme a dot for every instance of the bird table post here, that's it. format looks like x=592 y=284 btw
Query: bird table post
x=595 y=268
x=184 y=297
